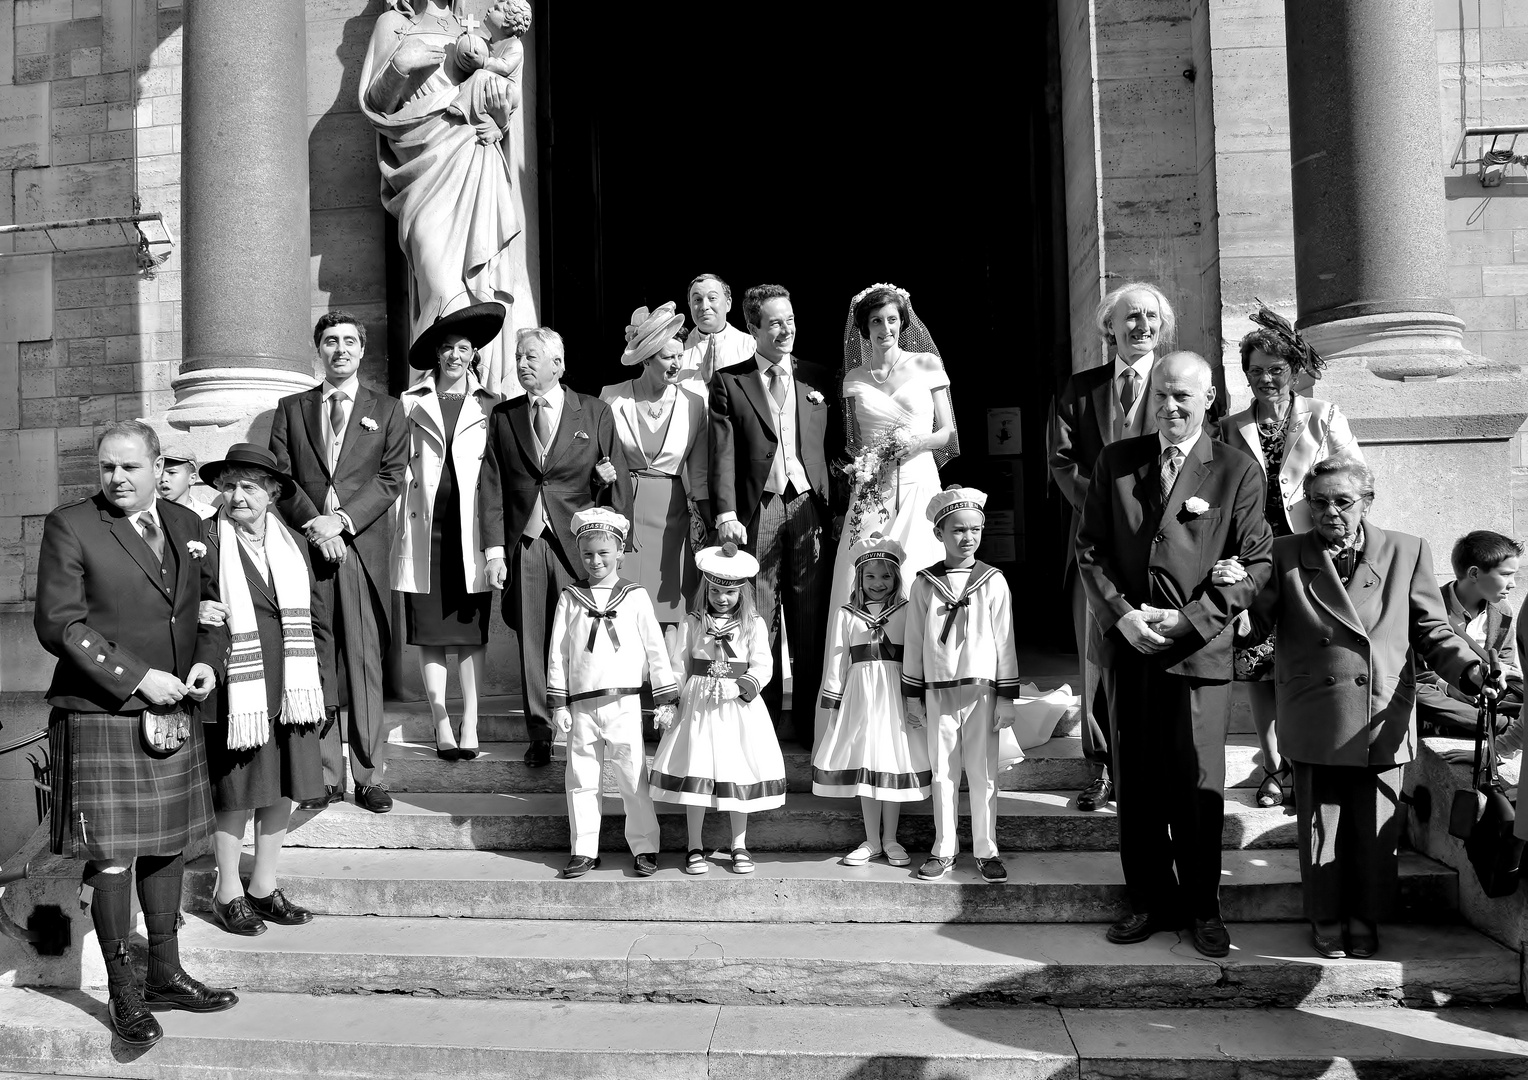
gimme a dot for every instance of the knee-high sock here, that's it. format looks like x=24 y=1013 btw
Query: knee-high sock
x=159 y=885
x=111 y=912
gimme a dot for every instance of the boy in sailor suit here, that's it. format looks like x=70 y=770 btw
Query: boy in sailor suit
x=605 y=638
x=959 y=657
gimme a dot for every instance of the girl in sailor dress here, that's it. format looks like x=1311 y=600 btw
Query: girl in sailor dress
x=720 y=753
x=866 y=749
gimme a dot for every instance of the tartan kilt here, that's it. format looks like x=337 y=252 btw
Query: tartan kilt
x=134 y=802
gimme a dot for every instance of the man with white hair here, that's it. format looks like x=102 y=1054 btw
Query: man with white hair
x=1161 y=510
x=1101 y=405
x=551 y=452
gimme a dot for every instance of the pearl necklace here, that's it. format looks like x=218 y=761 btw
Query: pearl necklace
x=883 y=379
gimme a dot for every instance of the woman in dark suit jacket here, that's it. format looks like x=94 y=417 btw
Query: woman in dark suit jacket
x=263 y=751
x=1351 y=604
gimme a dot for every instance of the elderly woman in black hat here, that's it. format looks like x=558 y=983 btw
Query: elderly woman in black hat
x=662 y=428
x=437 y=552
x=262 y=752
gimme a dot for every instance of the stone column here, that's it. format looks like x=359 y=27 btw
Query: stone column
x=1435 y=421
x=1368 y=187
x=244 y=218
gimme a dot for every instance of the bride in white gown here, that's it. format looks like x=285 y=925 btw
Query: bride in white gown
x=887 y=390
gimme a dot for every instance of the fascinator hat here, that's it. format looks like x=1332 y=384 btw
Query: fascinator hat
x=875 y=546
x=1289 y=345
x=648 y=331
x=913 y=338
x=726 y=565
x=953 y=499
x=478 y=323
x=598 y=519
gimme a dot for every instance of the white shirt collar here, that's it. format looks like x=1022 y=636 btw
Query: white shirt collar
x=1141 y=367
x=764 y=365
x=1186 y=446
x=554 y=396
x=152 y=510
x=350 y=386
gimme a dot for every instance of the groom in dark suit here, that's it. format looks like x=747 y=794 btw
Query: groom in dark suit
x=1161 y=510
x=550 y=453
x=772 y=437
x=347 y=448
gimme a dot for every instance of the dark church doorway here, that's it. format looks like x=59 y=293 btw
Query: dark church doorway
x=824 y=147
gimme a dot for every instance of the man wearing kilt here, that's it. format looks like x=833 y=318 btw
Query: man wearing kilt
x=119 y=579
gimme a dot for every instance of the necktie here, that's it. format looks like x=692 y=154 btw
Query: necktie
x=1127 y=391
x=543 y=423
x=151 y=535
x=336 y=423
x=1172 y=461
x=777 y=384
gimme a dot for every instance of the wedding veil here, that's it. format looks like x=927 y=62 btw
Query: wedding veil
x=914 y=338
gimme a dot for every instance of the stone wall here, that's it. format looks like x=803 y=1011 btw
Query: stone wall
x=1138 y=160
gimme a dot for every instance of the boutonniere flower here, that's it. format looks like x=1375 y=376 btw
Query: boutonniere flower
x=368 y=424
x=1195 y=506
x=814 y=397
x=196 y=548
x=580 y=435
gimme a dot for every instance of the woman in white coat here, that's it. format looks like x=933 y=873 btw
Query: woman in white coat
x=437 y=552
x=1286 y=434
x=662 y=428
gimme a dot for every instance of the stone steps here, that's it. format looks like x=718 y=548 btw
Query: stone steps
x=922 y=964
x=1056 y=765
x=1042 y=887
x=1027 y=821
x=386 y=1037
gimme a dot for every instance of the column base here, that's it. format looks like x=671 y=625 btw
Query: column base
x=1397 y=345
x=217 y=407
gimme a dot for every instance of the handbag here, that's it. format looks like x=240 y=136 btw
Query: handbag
x=1485 y=819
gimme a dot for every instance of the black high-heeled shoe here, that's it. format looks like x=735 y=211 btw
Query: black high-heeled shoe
x=466 y=753
x=446 y=753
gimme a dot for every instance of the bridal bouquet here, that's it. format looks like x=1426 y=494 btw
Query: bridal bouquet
x=871 y=472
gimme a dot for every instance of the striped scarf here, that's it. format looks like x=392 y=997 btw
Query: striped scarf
x=302 y=702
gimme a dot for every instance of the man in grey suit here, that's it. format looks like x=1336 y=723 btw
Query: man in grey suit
x=347 y=448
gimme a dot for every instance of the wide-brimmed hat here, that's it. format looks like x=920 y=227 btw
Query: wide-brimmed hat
x=247 y=456
x=649 y=330
x=479 y=324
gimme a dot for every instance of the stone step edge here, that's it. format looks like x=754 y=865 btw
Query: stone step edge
x=287 y=1036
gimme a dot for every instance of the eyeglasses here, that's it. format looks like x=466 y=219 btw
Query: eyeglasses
x=1342 y=506
x=1278 y=371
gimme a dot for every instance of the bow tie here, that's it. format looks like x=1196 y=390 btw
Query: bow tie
x=948 y=611
x=724 y=639
x=607 y=620
x=876 y=624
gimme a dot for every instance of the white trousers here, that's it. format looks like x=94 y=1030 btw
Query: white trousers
x=609 y=729
x=960 y=736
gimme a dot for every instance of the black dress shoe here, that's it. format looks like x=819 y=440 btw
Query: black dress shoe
x=184 y=992
x=466 y=753
x=131 y=1019
x=336 y=794
x=1362 y=943
x=278 y=909
x=538 y=754
x=449 y=753
x=373 y=798
x=238 y=917
x=579 y=865
x=646 y=864
x=1211 y=937
x=1327 y=945
x=332 y=794
x=1136 y=929
x=1096 y=795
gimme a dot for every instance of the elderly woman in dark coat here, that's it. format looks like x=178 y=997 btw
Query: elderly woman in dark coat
x=1351 y=604
x=262 y=753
